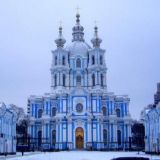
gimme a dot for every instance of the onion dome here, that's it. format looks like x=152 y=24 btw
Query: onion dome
x=96 y=41
x=78 y=30
x=60 y=41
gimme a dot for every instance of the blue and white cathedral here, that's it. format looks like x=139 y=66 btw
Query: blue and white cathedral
x=79 y=112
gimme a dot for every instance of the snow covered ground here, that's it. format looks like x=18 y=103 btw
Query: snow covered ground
x=78 y=155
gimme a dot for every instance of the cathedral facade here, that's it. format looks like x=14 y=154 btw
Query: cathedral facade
x=79 y=113
x=7 y=130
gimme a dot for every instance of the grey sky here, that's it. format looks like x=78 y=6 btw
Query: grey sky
x=130 y=30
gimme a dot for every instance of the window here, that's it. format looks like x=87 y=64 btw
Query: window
x=63 y=60
x=40 y=113
x=93 y=80
x=78 y=63
x=93 y=60
x=118 y=112
x=53 y=111
x=119 y=137
x=54 y=137
x=101 y=60
x=55 y=80
x=78 y=79
x=104 y=111
x=79 y=107
x=39 y=138
x=101 y=79
x=64 y=80
x=105 y=135
x=55 y=60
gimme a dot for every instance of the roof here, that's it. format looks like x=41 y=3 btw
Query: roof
x=78 y=48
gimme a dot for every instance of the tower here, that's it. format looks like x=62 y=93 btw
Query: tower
x=78 y=65
x=97 y=66
x=60 y=65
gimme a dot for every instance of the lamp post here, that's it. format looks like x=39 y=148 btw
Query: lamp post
x=158 y=145
x=5 y=145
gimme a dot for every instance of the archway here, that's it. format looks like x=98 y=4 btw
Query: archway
x=79 y=138
x=119 y=137
x=39 y=138
x=105 y=138
x=54 y=137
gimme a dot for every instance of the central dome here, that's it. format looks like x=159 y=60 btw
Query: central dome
x=78 y=48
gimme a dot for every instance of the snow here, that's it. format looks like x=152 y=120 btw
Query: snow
x=79 y=155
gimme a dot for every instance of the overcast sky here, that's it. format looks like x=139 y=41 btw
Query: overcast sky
x=130 y=30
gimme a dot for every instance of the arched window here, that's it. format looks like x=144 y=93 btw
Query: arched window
x=39 y=138
x=101 y=79
x=55 y=80
x=93 y=60
x=63 y=60
x=105 y=137
x=64 y=80
x=119 y=137
x=78 y=63
x=53 y=137
x=104 y=110
x=40 y=113
x=118 y=112
x=101 y=60
x=93 y=80
x=53 y=111
x=78 y=79
x=55 y=60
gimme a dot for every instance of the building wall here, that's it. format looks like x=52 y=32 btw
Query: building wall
x=152 y=130
x=151 y=117
x=7 y=131
x=91 y=119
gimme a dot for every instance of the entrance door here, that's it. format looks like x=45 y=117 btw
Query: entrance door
x=39 y=138
x=79 y=138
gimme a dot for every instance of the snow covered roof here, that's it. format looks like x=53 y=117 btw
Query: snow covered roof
x=78 y=48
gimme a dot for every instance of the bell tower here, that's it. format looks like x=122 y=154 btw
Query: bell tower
x=97 y=67
x=60 y=65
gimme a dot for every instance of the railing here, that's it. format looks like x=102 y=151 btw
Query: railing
x=32 y=144
x=108 y=146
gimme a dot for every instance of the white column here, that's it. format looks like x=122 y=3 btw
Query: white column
x=67 y=80
x=70 y=132
x=64 y=134
x=60 y=139
x=98 y=129
x=59 y=82
x=89 y=131
x=115 y=132
x=109 y=132
x=105 y=79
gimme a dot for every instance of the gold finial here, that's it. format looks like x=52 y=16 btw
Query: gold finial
x=95 y=23
x=77 y=9
x=60 y=23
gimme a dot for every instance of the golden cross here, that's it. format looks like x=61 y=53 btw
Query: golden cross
x=77 y=9
x=95 y=22
x=60 y=23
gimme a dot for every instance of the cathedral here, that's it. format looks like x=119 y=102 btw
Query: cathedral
x=79 y=112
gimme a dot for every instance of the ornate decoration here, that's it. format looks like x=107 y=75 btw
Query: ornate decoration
x=79 y=107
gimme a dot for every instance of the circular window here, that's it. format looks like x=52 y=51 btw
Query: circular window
x=79 y=107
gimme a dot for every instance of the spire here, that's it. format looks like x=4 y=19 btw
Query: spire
x=96 y=41
x=60 y=41
x=78 y=30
